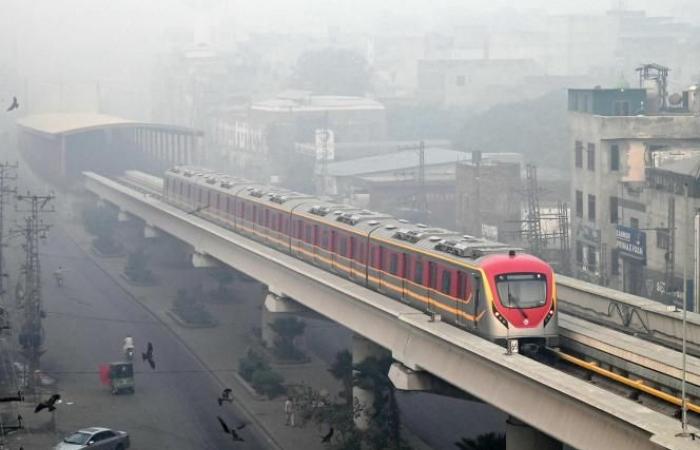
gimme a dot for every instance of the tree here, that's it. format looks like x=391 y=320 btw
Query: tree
x=287 y=330
x=188 y=307
x=487 y=441
x=136 y=268
x=100 y=221
x=341 y=369
x=332 y=71
x=223 y=278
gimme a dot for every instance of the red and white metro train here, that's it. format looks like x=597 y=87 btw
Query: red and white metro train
x=482 y=286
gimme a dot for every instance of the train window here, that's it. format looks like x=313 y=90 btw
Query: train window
x=167 y=185
x=342 y=246
x=199 y=196
x=527 y=290
x=267 y=222
x=462 y=288
x=309 y=234
x=218 y=201
x=394 y=263
x=432 y=275
x=446 y=281
x=324 y=238
x=418 y=272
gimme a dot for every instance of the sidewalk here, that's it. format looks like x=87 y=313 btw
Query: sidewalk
x=219 y=348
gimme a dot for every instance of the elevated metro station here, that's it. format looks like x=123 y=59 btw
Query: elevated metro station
x=59 y=146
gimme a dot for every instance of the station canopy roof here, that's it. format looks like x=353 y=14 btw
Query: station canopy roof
x=71 y=123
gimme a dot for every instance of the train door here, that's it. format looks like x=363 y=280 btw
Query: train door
x=403 y=273
x=465 y=300
x=432 y=284
x=315 y=242
x=332 y=248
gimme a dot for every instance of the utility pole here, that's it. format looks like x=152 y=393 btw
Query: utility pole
x=421 y=197
x=8 y=174
x=33 y=229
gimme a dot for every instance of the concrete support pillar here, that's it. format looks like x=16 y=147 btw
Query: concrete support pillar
x=276 y=305
x=361 y=350
x=202 y=260
x=521 y=436
x=406 y=379
x=150 y=232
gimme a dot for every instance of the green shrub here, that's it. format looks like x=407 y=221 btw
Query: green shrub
x=189 y=309
x=268 y=382
x=251 y=363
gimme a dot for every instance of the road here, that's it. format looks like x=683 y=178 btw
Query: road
x=174 y=407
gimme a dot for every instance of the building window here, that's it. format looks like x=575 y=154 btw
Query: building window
x=662 y=238
x=579 y=204
x=614 y=158
x=461 y=80
x=634 y=223
x=613 y=210
x=590 y=259
x=578 y=150
x=591 y=207
x=590 y=156
x=579 y=252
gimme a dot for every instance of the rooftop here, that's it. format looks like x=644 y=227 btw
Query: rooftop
x=304 y=101
x=688 y=166
x=69 y=123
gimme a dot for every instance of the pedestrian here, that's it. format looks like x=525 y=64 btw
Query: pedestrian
x=289 y=412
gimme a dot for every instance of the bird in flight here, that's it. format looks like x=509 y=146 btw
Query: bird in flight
x=328 y=436
x=14 y=105
x=236 y=437
x=148 y=356
x=49 y=404
x=225 y=396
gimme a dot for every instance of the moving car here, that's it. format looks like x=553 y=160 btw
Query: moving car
x=95 y=438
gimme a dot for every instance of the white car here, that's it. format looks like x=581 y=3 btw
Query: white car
x=95 y=438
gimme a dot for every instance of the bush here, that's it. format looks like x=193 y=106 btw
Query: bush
x=250 y=363
x=99 y=221
x=268 y=382
x=136 y=268
x=106 y=245
x=189 y=309
x=287 y=330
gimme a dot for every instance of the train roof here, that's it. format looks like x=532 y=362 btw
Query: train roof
x=434 y=240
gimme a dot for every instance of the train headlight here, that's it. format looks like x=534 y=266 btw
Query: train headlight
x=499 y=316
x=549 y=315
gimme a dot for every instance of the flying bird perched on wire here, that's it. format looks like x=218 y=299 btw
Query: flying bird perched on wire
x=49 y=404
x=236 y=437
x=328 y=436
x=14 y=105
x=148 y=356
x=225 y=396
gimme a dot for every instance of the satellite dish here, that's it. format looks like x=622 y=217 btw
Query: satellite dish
x=675 y=99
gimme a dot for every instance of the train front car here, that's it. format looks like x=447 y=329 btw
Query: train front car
x=521 y=293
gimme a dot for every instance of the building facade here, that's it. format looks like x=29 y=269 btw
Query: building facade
x=618 y=213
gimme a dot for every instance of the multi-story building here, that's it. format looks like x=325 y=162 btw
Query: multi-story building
x=620 y=143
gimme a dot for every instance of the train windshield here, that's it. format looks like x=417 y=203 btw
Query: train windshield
x=523 y=290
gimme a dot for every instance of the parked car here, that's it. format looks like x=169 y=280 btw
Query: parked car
x=95 y=438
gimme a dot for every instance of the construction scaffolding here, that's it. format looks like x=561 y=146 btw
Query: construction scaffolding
x=545 y=234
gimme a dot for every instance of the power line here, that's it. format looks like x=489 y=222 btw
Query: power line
x=31 y=333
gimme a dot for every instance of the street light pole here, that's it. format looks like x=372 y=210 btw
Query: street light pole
x=684 y=403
